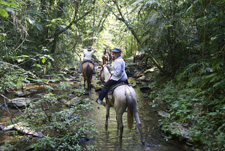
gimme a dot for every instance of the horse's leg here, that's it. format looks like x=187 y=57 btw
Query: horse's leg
x=107 y=115
x=119 y=122
x=89 y=86
x=84 y=82
x=136 y=115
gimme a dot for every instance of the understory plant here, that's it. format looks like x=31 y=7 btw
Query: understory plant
x=196 y=104
x=63 y=123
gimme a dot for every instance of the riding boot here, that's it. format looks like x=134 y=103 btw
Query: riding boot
x=100 y=101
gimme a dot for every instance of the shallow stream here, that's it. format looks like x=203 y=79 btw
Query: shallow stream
x=109 y=140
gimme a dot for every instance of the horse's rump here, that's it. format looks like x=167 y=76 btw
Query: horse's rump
x=125 y=97
x=85 y=68
x=87 y=71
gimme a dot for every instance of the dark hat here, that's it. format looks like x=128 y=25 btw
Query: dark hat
x=116 y=50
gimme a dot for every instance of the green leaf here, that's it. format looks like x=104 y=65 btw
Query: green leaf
x=4 y=13
x=37 y=65
x=168 y=25
x=19 y=84
x=44 y=60
x=8 y=4
x=20 y=60
x=39 y=26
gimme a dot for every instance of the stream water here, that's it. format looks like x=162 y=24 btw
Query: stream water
x=109 y=140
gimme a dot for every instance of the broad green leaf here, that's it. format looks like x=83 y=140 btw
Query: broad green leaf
x=168 y=25
x=39 y=26
x=20 y=60
x=43 y=60
x=19 y=84
x=8 y=4
x=4 y=13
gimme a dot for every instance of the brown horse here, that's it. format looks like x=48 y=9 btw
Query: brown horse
x=122 y=98
x=87 y=71
x=107 y=58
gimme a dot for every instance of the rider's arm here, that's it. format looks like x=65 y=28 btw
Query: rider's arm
x=116 y=69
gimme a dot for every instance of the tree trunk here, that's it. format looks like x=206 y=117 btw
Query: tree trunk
x=134 y=34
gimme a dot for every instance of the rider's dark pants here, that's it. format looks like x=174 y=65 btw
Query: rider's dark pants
x=106 y=88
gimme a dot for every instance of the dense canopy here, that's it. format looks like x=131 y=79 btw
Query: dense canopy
x=183 y=39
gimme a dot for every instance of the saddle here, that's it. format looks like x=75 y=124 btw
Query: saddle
x=88 y=61
x=111 y=90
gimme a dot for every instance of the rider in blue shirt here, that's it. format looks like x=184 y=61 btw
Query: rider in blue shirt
x=118 y=74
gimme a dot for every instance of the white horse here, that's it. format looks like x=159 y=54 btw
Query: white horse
x=123 y=97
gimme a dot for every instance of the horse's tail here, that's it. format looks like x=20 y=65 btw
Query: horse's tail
x=89 y=75
x=130 y=103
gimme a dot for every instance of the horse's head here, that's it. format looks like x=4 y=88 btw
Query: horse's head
x=106 y=57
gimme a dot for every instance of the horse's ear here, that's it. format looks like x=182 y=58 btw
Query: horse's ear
x=104 y=51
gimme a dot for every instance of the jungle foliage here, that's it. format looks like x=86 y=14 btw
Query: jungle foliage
x=184 y=39
x=61 y=119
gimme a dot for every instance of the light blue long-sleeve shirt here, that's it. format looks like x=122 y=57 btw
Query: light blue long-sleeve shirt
x=118 y=70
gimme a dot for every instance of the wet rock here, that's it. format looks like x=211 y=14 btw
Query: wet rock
x=179 y=130
x=164 y=114
x=72 y=101
x=142 y=78
x=157 y=100
x=39 y=95
x=1 y=127
x=33 y=90
x=145 y=89
x=22 y=94
x=85 y=139
x=19 y=102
